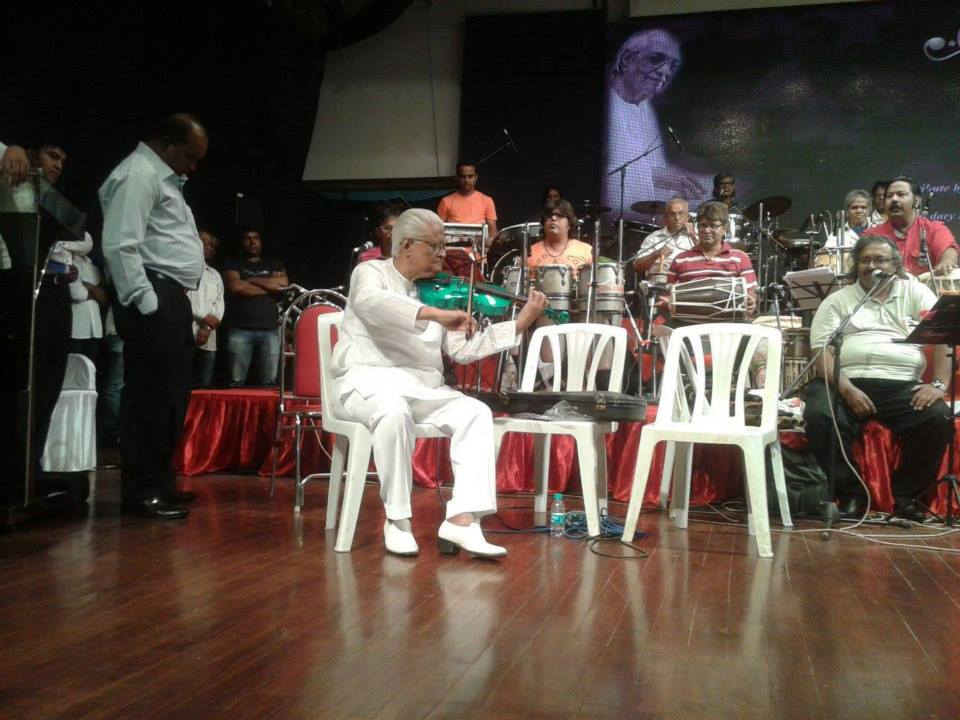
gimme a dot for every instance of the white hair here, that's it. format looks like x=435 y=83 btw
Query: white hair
x=415 y=224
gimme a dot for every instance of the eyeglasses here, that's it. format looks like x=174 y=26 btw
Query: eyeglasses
x=437 y=248
x=710 y=226
x=876 y=261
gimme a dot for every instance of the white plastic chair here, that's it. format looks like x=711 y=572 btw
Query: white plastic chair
x=711 y=420
x=352 y=443
x=72 y=439
x=590 y=435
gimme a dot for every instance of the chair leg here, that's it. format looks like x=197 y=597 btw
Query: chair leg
x=758 y=518
x=589 y=471
x=358 y=459
x=780 y=481
x=340 y=448
x=666 y=477
x=682 y=471
x=298 y=484
x=541 y=471
x=275 y=451
x=640 y=474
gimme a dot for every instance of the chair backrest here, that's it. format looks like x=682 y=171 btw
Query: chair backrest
x=298 y=343
x=577 y=359
x=306 y=379
x=81 y=373
x=328 y=325
x=719 y=387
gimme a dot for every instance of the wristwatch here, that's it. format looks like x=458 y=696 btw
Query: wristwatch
x=939 y=385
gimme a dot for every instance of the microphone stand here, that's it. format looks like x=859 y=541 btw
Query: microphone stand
x=622 y=169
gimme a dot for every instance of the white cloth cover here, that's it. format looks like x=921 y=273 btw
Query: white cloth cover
x=72 y=439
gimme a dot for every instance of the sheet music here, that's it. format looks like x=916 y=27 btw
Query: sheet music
x=811 y=287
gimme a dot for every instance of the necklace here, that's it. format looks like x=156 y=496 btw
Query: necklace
x=546 y=247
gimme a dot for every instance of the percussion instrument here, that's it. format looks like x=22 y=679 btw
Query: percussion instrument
x=796 y=355
x=609 y=297
x=942 y=284
x=772 y=207
x=511 y=280
x=556 y=282
x=649 y=207
x=781 y=322
x=737 y=233
x=512 y=236
x=589 y=208
x=709 y=300
x=840 y=261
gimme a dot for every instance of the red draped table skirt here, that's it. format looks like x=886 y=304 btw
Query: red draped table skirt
x=232 y=431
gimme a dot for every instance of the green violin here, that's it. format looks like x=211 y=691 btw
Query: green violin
x=452 y=293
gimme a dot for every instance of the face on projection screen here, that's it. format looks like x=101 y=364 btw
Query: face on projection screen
x=806 y=103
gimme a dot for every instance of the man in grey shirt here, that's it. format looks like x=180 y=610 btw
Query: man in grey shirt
x=154 y=255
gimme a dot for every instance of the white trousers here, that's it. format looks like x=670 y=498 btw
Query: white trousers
x=467 y=422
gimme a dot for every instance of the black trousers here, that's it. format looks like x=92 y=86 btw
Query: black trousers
x=157 y=354
x=924 y=434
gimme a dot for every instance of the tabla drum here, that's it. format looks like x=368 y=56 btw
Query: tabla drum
x=556 y=282
x=609 y=297
x=840 y=261
x=796 y=355
x=942 y=284
x=709 y=300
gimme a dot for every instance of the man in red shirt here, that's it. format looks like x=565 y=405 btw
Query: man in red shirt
x=907 y=227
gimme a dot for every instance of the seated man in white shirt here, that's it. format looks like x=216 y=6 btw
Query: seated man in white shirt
x=389 y=369
x=857 y=206
x=879 y=378
x=661 y=247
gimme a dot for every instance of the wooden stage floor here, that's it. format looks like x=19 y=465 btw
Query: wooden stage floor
x=244 y=611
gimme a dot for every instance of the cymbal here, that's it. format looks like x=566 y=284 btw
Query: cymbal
x=793 y=239
x=773 y=206
x=589 y=207
x=649 y=207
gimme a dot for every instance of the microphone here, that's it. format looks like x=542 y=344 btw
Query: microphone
x=925 y=210
x=369 y=244
x=673 y=136
x=879 y=274
x=510 y=140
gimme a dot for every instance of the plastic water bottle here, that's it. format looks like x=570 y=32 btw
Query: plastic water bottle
x=558 y=515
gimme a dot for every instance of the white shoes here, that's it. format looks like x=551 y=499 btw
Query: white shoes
x=450 y=538
x=398 y=537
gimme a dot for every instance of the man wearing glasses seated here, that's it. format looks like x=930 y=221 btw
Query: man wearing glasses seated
x=879 y=378
x=713 y=257
x=389 y=374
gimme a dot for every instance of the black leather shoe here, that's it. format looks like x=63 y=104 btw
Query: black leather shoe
x=907 y=509
x=156 y=508
x=853 y=507
x=182 y=497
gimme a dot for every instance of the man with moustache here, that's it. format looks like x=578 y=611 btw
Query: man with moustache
x=674 y=237
x=389 y=373
x=154 y=255
x=911 y=231
x=879 y=378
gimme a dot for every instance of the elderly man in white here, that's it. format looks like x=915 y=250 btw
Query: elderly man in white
x=389 y=370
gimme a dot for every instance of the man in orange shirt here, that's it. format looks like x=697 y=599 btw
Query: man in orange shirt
x=467 y=204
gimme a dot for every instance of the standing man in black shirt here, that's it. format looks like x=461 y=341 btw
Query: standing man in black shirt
x=253 y=286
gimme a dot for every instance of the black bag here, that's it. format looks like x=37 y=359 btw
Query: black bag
x=596 y=404
x=806 y=484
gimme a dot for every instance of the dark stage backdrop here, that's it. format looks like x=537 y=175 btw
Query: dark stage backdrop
x=539 y=76
x=803 y=102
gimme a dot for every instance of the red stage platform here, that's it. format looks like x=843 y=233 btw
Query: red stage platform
x=232 y=431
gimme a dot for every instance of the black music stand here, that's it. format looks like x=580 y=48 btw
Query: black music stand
x=941 y=326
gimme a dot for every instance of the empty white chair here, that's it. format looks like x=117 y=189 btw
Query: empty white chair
x=577 y=365
x=352 y=444
x=72 y=439
x=716 y=417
